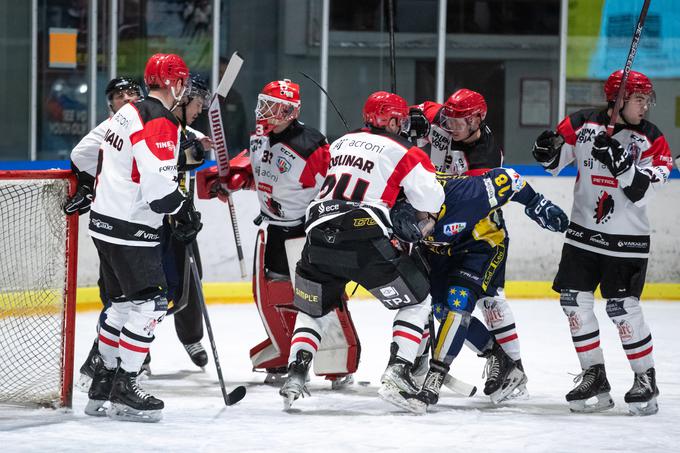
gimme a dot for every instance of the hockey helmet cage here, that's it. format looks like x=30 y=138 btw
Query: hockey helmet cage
x=163 y=70
x=637 y=82
x=278 y=101
x=381 y=107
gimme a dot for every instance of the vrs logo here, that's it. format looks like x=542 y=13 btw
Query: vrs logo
x=145 y=235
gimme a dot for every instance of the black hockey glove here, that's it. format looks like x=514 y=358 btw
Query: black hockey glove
x=609 y=151
x=420 y=126
x=187 y=224
x=547 y=147
x=546 y=214
x=80 y=202
x=191 y=154
x=404 y=222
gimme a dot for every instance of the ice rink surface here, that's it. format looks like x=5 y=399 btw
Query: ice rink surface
x=355 y=419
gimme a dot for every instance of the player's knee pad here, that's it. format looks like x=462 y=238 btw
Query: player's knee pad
x=578 y=307
x=145 y=315
x=636 y=338
x=117 y=314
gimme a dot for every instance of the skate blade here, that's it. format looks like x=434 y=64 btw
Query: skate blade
x=604 y=402
x=84 y=383
x=343 y=382
x=515 y=379
x=288 y=400
x=395 y=396
x=125 y=413
x=520 y=393
x=642 y=409
x=96 y=408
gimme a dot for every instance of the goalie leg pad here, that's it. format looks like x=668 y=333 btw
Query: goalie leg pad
x=585 y=331
x=636 y=338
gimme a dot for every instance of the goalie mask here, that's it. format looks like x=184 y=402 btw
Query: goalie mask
x=278 y=103
x=463 y=113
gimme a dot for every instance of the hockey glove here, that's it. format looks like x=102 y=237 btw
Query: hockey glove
x=547 y=147
x=191 y=154
x=187 y=224
x=546 y=214
x=404 y=222
x=609 y=152
x=80 y=202
x=420 y=126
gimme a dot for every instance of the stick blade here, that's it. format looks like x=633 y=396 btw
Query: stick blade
x=233 y=68
x=236 y=395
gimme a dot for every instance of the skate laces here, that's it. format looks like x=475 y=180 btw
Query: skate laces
x=643 y=380
x=194 y=348
x=492 y=368
x=137 y=389
x=585 y=378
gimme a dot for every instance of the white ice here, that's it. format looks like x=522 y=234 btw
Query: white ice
x=195 y=418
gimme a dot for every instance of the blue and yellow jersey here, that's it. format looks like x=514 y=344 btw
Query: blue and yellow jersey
x=468 y=213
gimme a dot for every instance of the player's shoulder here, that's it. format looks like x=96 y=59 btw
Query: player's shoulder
x=650 y=130
x=150 y=109
x=303 y=139
x=590 y=115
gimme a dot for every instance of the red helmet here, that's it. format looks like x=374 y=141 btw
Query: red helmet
x=381 y=107
x=637 y=82
x=464 y=103
x=278 y=102
x=163 y=70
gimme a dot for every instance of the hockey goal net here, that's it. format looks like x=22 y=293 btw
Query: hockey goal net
x=38 y=249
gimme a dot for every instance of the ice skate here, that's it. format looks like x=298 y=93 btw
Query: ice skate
x=419 y=369
x=197 y=354
x=145 y=371
x=100 y=390
x=520 y=392
x=591 y=383
x=397 y=386
x=296 y=382
x=429 y=393
x=502 y=375
x=641 y=398
x=129 y=402
x=88 y=368
x=276 y=376
x=342 y=382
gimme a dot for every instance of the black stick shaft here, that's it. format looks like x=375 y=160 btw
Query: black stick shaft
x=335 y=107
x=626 y=69
x=393 y=65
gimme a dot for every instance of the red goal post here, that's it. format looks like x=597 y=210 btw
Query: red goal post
x=38 y=266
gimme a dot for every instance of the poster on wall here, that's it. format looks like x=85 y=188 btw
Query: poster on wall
x=600 y=33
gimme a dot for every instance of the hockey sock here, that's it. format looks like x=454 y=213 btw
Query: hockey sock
x=137 y=333
x=585 y=332
x=451 y=336
x=307 y=335
x=501 y=323
x=408 y=327
x=109 y=332
x=636 y=338
x=478 y=338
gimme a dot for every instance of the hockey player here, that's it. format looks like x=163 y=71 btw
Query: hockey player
x=119 y=91
x=465 y=256
x=460 y=142
x=348 y=238
x=136 y=186
x=286 y=164
x=607 y=243
x=177 y=237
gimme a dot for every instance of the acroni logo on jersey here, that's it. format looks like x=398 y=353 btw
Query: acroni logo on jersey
x=451 y=229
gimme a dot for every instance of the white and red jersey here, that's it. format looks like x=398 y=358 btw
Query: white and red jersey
x=136 y=183
x=86 y=153
x=288 y=169
x=457 y=158
x=368 y=169
x=609 y=215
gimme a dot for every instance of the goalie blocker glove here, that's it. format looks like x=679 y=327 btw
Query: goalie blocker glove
x=547 y=148
x=546 y=214
x=608 y=151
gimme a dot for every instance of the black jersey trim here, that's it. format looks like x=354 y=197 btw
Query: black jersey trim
x=623 y=243
x=121 y=229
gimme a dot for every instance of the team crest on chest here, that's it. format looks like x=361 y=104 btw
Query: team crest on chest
x=604 y=208
x=282 y=164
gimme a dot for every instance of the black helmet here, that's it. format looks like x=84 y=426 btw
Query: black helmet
x=121 y=83
x=198 y=88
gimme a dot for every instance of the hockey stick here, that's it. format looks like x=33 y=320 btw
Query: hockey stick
x=220 y=144
x=618 y=104
x=329 y=98
x=239 y=392
x=393 y=63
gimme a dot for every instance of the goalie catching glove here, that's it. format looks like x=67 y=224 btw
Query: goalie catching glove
x=546 y=214
x=210 y=185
